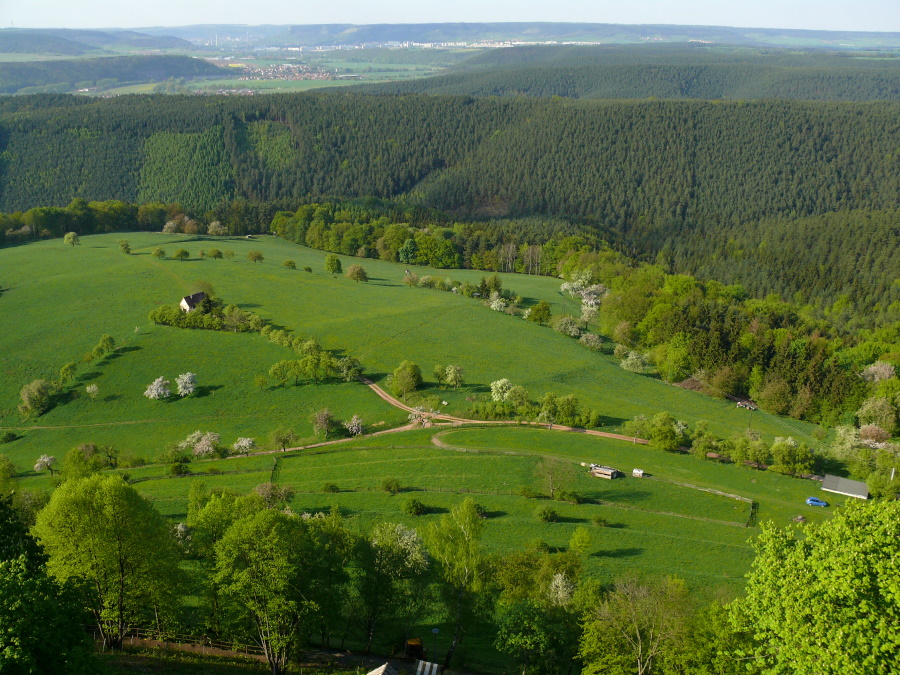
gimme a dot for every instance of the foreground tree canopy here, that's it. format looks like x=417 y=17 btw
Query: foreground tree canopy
x=827 y=600
x=101 y=530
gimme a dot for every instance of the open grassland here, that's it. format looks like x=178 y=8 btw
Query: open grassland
x=58 y=300
x=664 y=524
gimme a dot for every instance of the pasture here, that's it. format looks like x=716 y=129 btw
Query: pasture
x=58 y=300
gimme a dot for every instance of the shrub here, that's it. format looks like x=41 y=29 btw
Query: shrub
x=214 y=470
x=568 y=496
x=274 y=495
x=599 y=521
x=538 y=546
x=35 y=397
x=414 y=508
x=331 y=488
x=131 y=461
x=567 y=325
x=307 y=269
x=529 y=493
x=8 y=437
x=391 y=485
x=546 y=514
x=290 y=264
x=179 y=469
x=591 y=341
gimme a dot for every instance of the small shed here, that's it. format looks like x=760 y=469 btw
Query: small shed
x=845 y=486
x=598 y=471
x=386 y=669
x=637 y=473
x=189 y=302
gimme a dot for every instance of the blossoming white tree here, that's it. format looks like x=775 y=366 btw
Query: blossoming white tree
x=158 y=389
x=186 y=383
x=45 y=463
x=243 y=445
x=500 y=389
x=354 y=425
x=207 y=445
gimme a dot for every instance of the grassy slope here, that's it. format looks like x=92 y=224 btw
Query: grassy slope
x=656 y=524
x=59 y=300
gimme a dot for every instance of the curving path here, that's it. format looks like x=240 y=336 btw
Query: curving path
x=462 y=420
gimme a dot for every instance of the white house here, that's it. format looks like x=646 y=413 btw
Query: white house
x=189 y=302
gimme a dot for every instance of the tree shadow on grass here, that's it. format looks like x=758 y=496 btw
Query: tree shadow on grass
x=494 y=514
x=245 y=305
x=607 y=421
x=111 y=397
x=567 y=519
x=87 y=377
x=636 y=496
x=618 y=553
x=205 y=390
x=120 y=352
x=436 y=510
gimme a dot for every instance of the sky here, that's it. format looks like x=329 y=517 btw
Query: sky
x=855 y=15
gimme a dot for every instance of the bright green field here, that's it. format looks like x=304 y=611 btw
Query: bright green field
x=662 y=524
x=58 y=300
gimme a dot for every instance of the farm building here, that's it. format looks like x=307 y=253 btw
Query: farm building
x=608 y=472
x=189 y=302
x=845 y=486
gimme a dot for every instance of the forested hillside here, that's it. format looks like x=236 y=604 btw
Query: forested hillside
x=733 y=81
x=671 y=72
x=779 y=196
x=67 y=75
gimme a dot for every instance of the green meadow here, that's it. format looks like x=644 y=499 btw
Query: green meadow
x=58 y=300
x=666 y=523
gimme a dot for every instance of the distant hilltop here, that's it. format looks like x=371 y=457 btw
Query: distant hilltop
x=485 y=34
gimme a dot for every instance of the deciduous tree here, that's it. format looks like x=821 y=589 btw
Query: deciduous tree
x=277 y=566
x=634 y=625
x=357 y=273
x=826 y=599
x=454 y=544
x=454 y=376
x=332 y=264
x=406 y=378
x=186 y=384
x=158 y=389
x=282 y=438
x=540 y=313
x=101 y=530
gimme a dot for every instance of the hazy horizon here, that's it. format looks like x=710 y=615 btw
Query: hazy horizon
x=878 y=16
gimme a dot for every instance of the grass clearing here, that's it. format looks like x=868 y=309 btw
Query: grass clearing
x=58 y=300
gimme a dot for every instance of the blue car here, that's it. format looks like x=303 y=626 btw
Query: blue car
x=815 y=501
